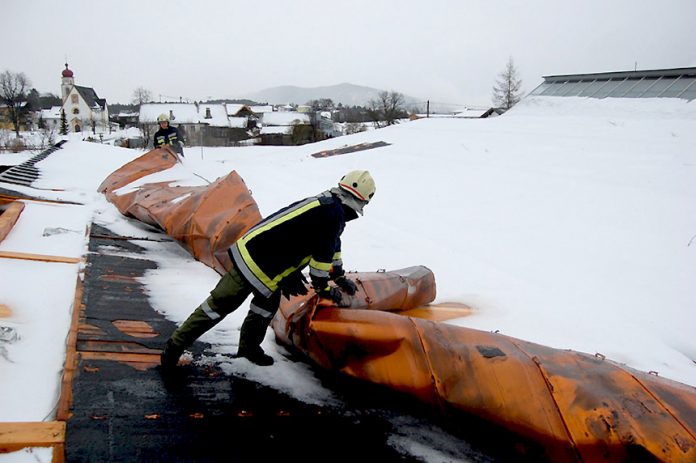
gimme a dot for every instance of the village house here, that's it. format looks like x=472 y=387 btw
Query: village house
x=204 y=124
x=84 y=110
x=50 y=118
x=286 y=128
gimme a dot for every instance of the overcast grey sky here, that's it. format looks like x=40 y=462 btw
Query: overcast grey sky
x=447 y=51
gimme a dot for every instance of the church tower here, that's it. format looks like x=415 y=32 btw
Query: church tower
x=67 y=82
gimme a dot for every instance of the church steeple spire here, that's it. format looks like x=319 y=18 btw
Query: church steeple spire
x=67 y=82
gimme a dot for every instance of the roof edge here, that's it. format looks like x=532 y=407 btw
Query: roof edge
x=672 y=72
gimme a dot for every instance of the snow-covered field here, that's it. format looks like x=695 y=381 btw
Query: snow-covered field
x=569 y=222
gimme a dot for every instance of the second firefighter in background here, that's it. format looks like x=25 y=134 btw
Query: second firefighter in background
x=168 y=135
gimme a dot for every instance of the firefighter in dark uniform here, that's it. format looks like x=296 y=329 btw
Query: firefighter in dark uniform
x=168 y=135
x=268 y=262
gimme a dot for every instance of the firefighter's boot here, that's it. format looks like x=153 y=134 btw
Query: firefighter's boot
x=250 y=338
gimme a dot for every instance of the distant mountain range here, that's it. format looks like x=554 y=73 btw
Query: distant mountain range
x=347 y=94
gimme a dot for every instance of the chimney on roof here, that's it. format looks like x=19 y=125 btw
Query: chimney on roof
x=207 y=113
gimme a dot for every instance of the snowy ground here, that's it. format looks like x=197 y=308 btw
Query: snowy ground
x=568 y=222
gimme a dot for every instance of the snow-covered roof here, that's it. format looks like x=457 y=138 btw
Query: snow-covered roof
x=260 y=109
x=234 y=108
x=184 y=113
x=285 y=118
x=221 y=115
x=217 y=112
x=238 y=122
x=53 y=113
x=283 y=129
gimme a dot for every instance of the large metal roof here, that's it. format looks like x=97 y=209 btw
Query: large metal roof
x=655 y=83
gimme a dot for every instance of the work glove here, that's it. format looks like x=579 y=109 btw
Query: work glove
x=293 y=285
x=348 y=286
x=338 y=275
x=334 y=294
x=323 y=290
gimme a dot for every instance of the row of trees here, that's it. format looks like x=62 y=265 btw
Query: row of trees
x=385 y=109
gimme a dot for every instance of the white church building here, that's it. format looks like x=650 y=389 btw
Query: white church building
x=84 y=110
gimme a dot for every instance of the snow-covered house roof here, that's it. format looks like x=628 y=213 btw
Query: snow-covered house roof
x=53 y=113
x=275 y=129
x=233 y=109
x=238 y=122
x=215 y=115
x=180 y=113
x=285 y=118
x=260 y=109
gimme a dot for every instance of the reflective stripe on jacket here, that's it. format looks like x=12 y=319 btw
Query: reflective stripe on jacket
x=304 y=233
x=168 y=136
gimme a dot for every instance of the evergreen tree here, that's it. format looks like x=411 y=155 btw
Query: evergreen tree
x=63 y=123
x=506 y=92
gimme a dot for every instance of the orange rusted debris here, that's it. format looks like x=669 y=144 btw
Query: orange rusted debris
x=9 y=214
x=206 y=220
x=153 y=161
x=567 y=405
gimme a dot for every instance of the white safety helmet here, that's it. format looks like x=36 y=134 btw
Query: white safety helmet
x=162 y=118
x=360 y=185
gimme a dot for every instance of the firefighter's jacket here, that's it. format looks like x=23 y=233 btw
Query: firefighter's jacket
x=169 y=136
x=304 y=233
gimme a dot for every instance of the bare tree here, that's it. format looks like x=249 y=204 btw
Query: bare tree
x=387 y=108
x=141 y=95
x=506 y=92
x=13 y=92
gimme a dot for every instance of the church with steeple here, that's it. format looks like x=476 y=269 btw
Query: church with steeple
x=84 y=110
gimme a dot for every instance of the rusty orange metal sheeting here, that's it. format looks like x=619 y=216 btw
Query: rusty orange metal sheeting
x=153 y=161
x=206 y=220
x=568 y=405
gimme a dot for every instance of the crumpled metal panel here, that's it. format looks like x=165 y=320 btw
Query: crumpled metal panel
x=206 y=220
x=563 y=405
